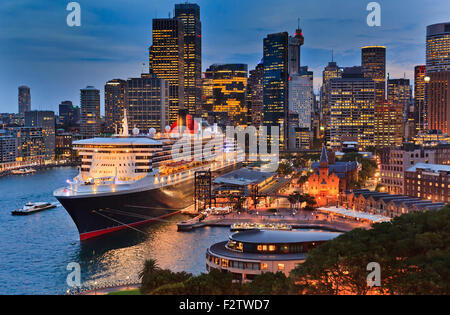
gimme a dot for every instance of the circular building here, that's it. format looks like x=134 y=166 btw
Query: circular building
x=250 y=253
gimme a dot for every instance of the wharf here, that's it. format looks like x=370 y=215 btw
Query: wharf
x=299 y=221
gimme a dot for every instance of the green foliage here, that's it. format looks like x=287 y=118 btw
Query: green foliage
x=368 y=168
x=153 y=277
x=284 y=168
x=412 y=250
x=269 y=284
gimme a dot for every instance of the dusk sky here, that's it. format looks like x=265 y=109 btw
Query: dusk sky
x=38 y=49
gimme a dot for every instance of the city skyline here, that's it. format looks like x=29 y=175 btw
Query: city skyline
x=113 y=40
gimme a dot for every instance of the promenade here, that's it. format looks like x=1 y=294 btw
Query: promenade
x=300 y=220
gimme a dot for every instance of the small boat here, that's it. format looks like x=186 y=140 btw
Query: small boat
x=245 y=226
x=31 y=207
x=23 y=171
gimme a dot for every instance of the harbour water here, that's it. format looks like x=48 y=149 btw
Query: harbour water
x=36 y=249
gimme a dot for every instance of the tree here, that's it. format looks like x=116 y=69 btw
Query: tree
x=413 y=251
x=284 y=168
x=269 y=284
x=153 y=277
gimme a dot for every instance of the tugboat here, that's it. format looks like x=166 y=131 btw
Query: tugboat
x=31 y=207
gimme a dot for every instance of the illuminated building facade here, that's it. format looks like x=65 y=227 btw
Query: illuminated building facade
x=395 y=161
x=399 y=93
x=207 y=93
x=332 y=71
x=388 y=125
x=189 y=14
x=429 y=182
x=431 y=138
x=24 y=99
x=90 y=112
x=329 y=180
x=30 y=144
x=275 y=84
x=300 y=139
x=352 y=109
x=229 y=94
x=255 y=95
x=438 y=48
x=373 y=61
x=438 y=101
x=46 y=121
x=115 y=102
x=8 y=148
x=63 y=147
x=167 y=60
x=147 y=103
x=420 y=108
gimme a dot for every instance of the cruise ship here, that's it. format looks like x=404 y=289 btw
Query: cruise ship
x=127 y=180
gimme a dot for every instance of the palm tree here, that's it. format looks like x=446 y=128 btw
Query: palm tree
x=150 y=265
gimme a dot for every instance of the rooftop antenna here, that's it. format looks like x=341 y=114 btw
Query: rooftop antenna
x=143 y=67
x=332 y=55
x=298 y=23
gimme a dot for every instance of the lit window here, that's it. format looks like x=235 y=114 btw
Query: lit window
x=264 y=266
x=280 y=267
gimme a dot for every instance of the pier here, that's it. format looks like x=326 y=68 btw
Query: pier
x=301 y=220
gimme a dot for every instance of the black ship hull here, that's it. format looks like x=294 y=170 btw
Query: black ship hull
x=99 y=215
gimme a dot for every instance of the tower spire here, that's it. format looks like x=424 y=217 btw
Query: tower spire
x=324 y=157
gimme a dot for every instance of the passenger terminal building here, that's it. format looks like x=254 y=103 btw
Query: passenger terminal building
x=251 y=253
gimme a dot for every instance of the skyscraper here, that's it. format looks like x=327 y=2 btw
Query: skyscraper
x=438 y=93
x=420 y=109
x=167 y=60
x=331 y=71
x=90 y=112
x=352 y=109
x=115 y=102
x=276 y=76
x=438 y=47
x=388 y=125
x=24 y=99
x=148 y=103
x=373 y=62
x=189 y=14
x=68 y=114
x=229 y=94
x=207 y=93
x=46 y=121
x=399 y=93
x=255 y=95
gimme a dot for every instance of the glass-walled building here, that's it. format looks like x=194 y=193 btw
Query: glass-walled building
x=166 y=60
x=438 y=47
x=276 y=76
x=229 y=94
x=189 y=14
